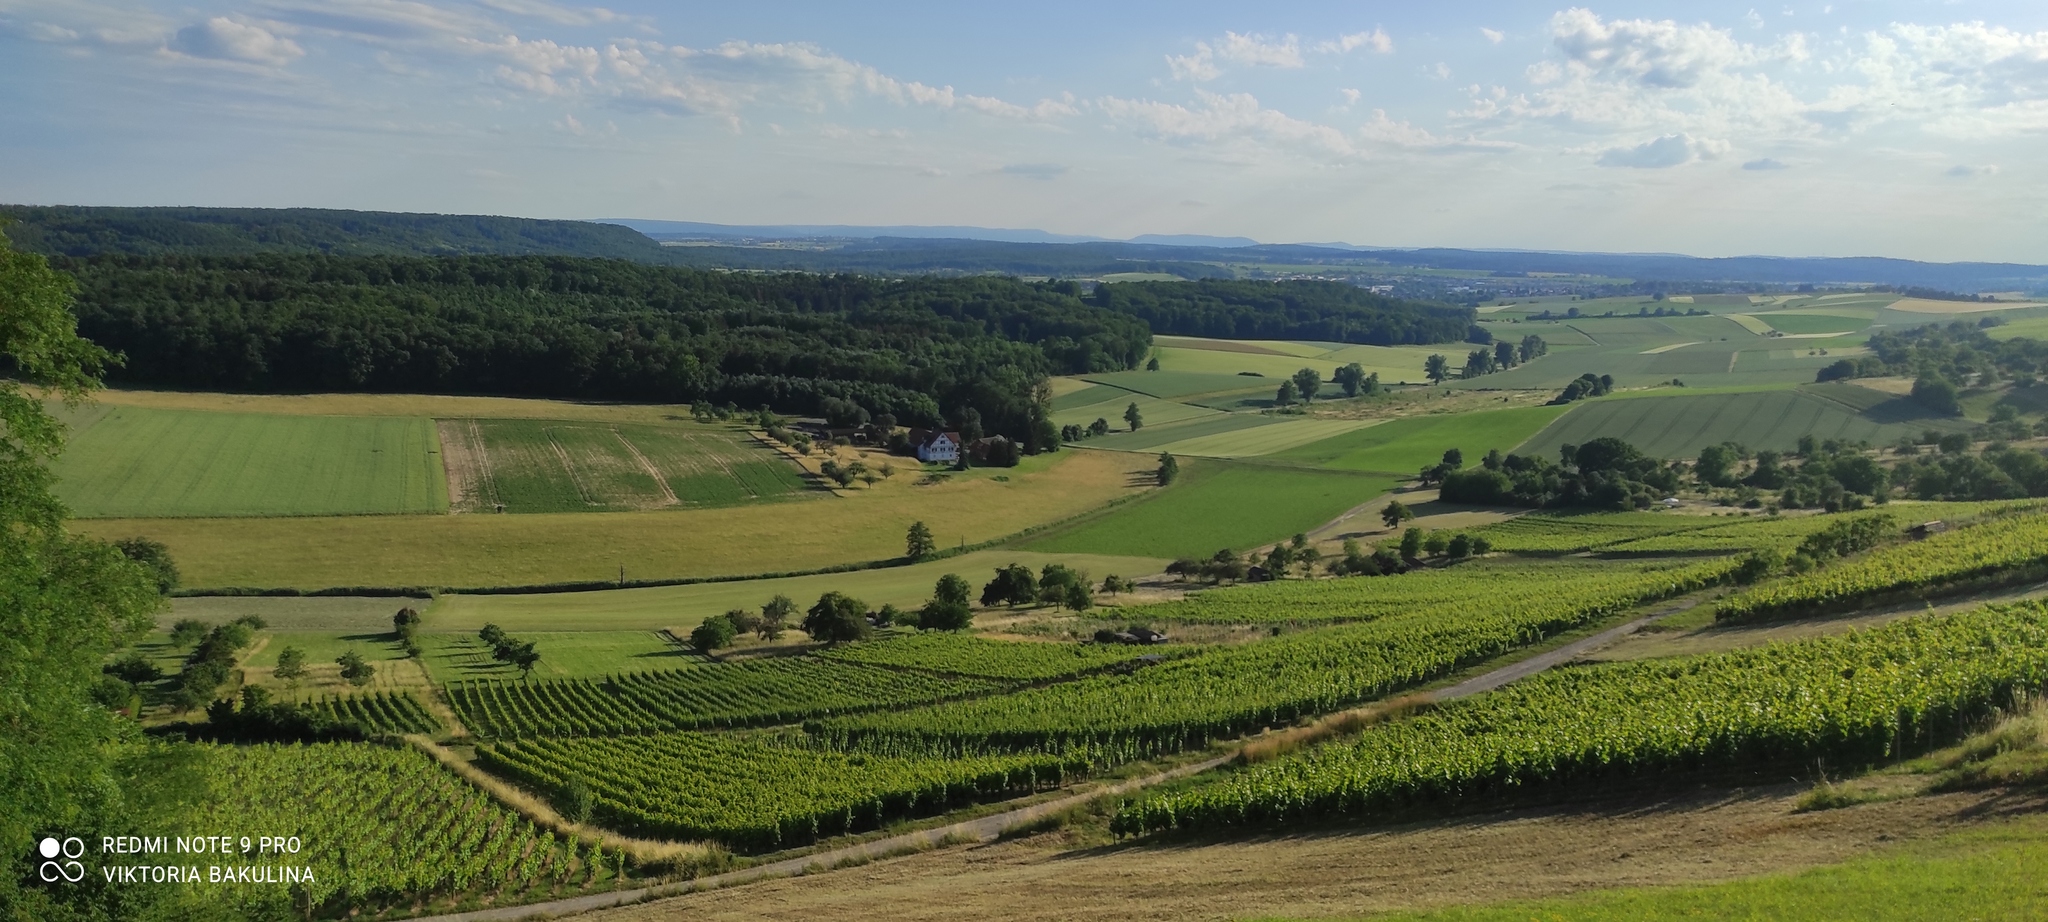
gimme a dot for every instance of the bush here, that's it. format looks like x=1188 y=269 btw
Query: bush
x=716 y=633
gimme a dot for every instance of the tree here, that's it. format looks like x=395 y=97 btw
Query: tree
x=1169 y=468
x=1078 y=598
x=1054 y=581
x=1184 y=567
x=1224 y=565
x=918 y=543
x=354 y=669
x=837 y=617
x=1436 y=368
x=1288 y=394
x=406 y=623
x=154 y=557
x=948 y=609
x=291 y=664
x=1279 y=559
x=1504 y=354
x=1460 y=546
x=1098 y=428
x=744 y=620
x=1937 y=394
x=1478 y=362
x=715 y=633
x=1114 y=584
x=1436 y=544
x=887 y=615
x=1395 y=512
x=1307 y=557
x=1411 y=543
x=1532 y=348
x=775 y=617
x=1454 y=458
x=1133 y=417
x=1013 y=585
x=1713 y=465
x=1308 y=383
x=525 y=657
x=188 y=632
x=1152 y=364
x=1351 y=378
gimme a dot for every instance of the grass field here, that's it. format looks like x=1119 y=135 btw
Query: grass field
x=563 y=655
x=568 y=466
x=684 y=607
x=1264 y=440
x=1787 y=322
x=1155 y=411
x=1404 y=446
x=1679 y=426
x=514 y=550
x=1219 y=504
x=344 y=614
x=1177 y=384
x=1986 y=875
x=1152 y=437
x=146 y=462
x=428 y=406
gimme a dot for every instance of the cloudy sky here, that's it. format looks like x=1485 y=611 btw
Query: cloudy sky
x=1912 y=129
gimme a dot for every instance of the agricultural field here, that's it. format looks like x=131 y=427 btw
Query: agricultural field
x=575 y=466
x=580 y=654
x=1406 y=445
x=2010 y=547
x=1178 y=385
x=1679 y=425
x=680 y=608
x=520 y=550
x=1218 y=504
x=131 y=461
x=1855 y=699
x=1163 y=437
x=1109 y=403
x=1439 y=593
x=953 y=654
x=376 y=712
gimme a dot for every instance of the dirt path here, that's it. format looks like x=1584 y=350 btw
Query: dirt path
x=989 y=828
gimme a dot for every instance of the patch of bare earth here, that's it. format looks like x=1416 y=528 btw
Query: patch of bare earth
x=1703 y=836
x=467 y=466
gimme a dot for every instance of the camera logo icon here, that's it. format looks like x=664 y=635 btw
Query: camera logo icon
x=60 y=860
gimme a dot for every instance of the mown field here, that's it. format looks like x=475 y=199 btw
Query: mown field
x=1404 y=446
x=1679 y=425
x=1218 y=504
x=571 y=466
x=517 y=550
x=131 y=461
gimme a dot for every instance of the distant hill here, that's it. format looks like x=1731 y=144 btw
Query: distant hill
x=693 y=230
x=64 y=230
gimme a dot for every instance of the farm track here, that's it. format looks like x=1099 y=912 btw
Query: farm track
x=989 y=828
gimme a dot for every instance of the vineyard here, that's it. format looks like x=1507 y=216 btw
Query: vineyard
x=954 y=654
x=1571 y=534
x=1785 y=533
x=1444 y=592
x=758 y=795
x=1857 y=699
x=379 y=827
x=376 y=712
x=2015 y=543
x=761 y=693
x=1224 y=692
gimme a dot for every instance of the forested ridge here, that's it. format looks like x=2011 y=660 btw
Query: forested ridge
x=1311 y=310
x=923 y=349
x=67 y=230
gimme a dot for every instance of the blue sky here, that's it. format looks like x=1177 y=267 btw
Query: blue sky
x=1910 y=129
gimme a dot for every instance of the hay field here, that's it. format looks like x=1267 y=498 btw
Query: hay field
x=1406 y=445
x=1678 y=426
x=684 y=607
x=1293 y=432
x=1219 y=504
x=1114 y=400
x=500 y=550
x=133 y=461
x=569 y=466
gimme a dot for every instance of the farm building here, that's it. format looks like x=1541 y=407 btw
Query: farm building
x=933 y=446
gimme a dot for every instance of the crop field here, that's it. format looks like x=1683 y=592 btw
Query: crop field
x=757 y=796
x=1569 y=533
x=1155 y=437
x=1263 y=440
x=147 y=462
x=1154 y=410
x=1230 y=690
x=376 y=712
x=1173 y=385
x=563 y=655
x=1788 y=322
x=954 y=654
x=519 y=550
x=417 y=406
x=1253 y=346
x=1217 y=505
x=766 y=692
x=2015 y=543
x=1440 y=593
x=1784 y=532
x=342 y=614
x=657 y=608
x=1404 y=446
x=376 y=822
x=570 y=466
x=1679 y=426
x=1852 y=700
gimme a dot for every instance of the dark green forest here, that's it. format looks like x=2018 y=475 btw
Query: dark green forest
x=920 y=349
x=1322 y=311
x=63 y=230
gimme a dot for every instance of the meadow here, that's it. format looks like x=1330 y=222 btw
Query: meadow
x=572 y=466
x=1406 y=445
x=132 y=461
x=518 y=550
x=1215 y=505
x=1678 y=425
x=1109 y=404
x=563 y=655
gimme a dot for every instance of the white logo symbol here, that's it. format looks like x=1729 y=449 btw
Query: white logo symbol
x=52 y=870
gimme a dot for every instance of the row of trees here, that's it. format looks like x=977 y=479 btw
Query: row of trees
x=506 y=648
x=1501 y=357
x=1606 y=473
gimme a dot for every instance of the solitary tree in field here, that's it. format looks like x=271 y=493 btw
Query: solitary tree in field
x=1287 y=394
x=291 y=664
x=1308 y=383
x=1395 y=513
x=1436 y=368
x=918 y=543
x=1133 y=417
x=1152 y=364
x=1169 y=468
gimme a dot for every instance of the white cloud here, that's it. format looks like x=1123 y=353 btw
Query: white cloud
x=1238 y=119
x=1377 y=40
x=1350 y=96
x=1960 y=80
x=224 y=39
x=553 y=12
x=1658 y=53
x=1233 y=48
x=1661 y=153
x=1493 y=35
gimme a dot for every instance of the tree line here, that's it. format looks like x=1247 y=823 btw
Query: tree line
x=1312 y=310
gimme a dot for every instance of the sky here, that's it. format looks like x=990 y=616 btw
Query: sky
x=1905 y=129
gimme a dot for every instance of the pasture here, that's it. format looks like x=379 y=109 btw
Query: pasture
x=1218 y=504
x=133 y=461
x=1406 y=445
x=519 y=550
x=1152 y=437
x=1114 y=400
x=1678 y=426
x=1173 y=385
x=683 y=607
x=570 y=466
x=1294 y=431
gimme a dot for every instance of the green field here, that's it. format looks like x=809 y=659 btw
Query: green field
x=1175 y=384
x=171 y=463
x=1218 y=504
x=1154 y=411
x=1153 y=437
x=1264 y=440
x=563 y=655
x=1404 y=446
x=1678 y=426
x=683 y=607
x=343 y=614
x=1787 y=322
x=529 y=465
